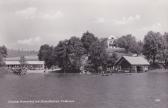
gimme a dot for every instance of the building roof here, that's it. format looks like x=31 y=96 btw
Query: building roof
x=27 y=62
x=138 y=60
x=31 y=58
x=12 y=62
x=35 y=62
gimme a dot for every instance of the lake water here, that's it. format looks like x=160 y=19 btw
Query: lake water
x=137 y=90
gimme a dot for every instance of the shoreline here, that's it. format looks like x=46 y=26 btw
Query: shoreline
x=4 y=71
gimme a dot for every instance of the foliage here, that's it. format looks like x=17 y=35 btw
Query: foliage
x=130 y=44
x=98 y=56
x=152 y=45
x=163 y=52
x=87 y=40
x=89 y=67
x=61 y=54
x=3 y=53
x=126 y=42
x=68 y=54
x=136 y=47
x=45 y=53
x=1 y=60
x=111 y=60
x=99 y=60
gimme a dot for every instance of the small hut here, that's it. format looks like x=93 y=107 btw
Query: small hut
x=132 y=64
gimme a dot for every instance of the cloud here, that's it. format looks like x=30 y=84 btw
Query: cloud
x=30 y=41
x=100 y=20
x=123 y=21
x=28 y=13
x=52 y=15
x=31 y=13
x=127 y=20
x=154 y=27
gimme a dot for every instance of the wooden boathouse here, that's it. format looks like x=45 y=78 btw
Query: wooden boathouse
x=132 y=64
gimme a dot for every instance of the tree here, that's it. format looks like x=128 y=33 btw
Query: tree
x=1 y=61
x=128 y=42
x=3 y=51
x=61 y=52
x=76 y=51
x=45 y=53
x=68 y=54
x=163 y=51
x=87 y=40
x=152 y=44
x=111 y=60
x=137 y=47
x=98 y=56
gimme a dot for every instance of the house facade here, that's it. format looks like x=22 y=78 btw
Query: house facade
x=132 y=64
x=110 y=42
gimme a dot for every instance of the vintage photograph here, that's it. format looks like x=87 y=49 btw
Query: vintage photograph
x=83 y=54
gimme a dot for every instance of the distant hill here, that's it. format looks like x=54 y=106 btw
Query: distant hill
x=16 y=53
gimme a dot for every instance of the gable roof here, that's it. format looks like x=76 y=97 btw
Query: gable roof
x=138 y=60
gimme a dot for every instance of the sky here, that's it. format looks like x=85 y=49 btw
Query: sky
x=27 y=24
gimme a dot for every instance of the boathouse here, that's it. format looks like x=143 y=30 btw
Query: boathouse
x=132 y=64
x=31 y=62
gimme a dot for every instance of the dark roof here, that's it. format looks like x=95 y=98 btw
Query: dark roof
x=134 y=60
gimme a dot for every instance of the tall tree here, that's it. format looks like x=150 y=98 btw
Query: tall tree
x=76 y=52
x=163 y=51
x=1 y=60
x=87 y=40
x=152 y=44
x=128 y=42
x=61 y=52
x=68 y=54
x=137 y=47
x=45 y=53
x=98 y=56
x=3 y=51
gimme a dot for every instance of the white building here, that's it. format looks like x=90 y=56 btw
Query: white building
x=110 y=42
x=31 y=62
